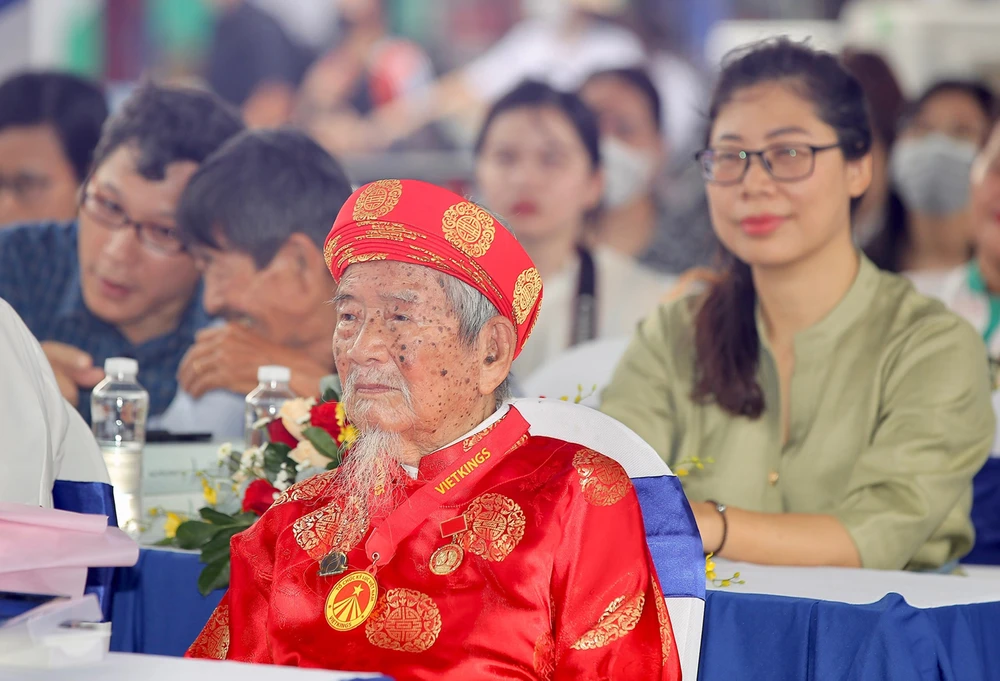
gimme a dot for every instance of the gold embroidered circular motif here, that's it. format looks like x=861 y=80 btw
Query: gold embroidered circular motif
x=618 y=619
x=378 y=199
x=603 y=480
x=330 y=527
x=404 y=620
x=496 y=527
x=469 y=228
x=526 y=290
x=663 y=617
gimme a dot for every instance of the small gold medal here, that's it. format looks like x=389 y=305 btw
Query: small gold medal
x=351 y=601
x=446 y=559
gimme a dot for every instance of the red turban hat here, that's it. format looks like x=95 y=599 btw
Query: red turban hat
x=422 y=224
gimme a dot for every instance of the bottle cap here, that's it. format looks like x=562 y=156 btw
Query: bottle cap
x=274 y=373
x=121 y=365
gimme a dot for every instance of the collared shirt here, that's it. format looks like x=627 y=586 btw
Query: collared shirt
x=890 y=419
x=40 y=278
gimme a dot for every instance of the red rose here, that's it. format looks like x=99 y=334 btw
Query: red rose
x=276 y=432
x=325 y=416
x=258 y=497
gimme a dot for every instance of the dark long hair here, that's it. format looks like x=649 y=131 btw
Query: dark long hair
x=726 y=337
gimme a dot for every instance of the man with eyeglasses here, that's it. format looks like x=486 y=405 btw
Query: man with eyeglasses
x=118 y=281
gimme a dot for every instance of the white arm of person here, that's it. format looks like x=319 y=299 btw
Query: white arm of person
x=44 y=438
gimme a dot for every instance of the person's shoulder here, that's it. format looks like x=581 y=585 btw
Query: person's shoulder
x=42 y=238
x=577 y=469
x=934 y=283
x=910 y=317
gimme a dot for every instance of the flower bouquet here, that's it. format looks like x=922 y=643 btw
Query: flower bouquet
x=306 y=438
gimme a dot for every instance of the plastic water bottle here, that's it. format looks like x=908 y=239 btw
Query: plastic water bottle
x=264 y=401
x=119 y=407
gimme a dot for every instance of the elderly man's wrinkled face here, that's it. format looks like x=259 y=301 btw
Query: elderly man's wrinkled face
x=399 y=355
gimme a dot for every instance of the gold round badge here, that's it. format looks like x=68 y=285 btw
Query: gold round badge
x=446 y=559
x=377 y=200
x=351 y=601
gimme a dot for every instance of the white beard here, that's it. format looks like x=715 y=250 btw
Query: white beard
x=368 y=472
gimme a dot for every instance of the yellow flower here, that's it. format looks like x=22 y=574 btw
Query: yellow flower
x=211 y=496
x=348 y=433
x=681 y=472
x=173 y=522
x=155 y=511
x=710 y=567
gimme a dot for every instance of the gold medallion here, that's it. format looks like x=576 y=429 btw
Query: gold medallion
x=351 y=601
x=447 y=559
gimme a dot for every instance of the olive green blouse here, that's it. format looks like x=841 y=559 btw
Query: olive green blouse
x=890 y=418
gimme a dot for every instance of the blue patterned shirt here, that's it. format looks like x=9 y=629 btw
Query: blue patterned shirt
x=40 y=278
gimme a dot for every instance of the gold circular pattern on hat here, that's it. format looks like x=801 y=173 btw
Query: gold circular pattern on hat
x=663 y=617
x=446 y=559
x=404 y=620
x=544 y=658
x=377 y=199
x=351 y=601
x=330 y=527
x=603 y=480
x=469 y=228
x=526 y=290
x=496 y=527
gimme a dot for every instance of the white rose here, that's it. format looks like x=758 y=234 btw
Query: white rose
x=305 y=453
x=294 y=414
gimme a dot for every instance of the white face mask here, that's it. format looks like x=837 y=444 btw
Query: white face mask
x=931 y=173
x=628 y=173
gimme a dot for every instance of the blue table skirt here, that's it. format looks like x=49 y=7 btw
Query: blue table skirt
x=158 y=610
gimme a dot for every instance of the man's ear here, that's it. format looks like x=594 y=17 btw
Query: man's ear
x=300 y=260
x=496 y=344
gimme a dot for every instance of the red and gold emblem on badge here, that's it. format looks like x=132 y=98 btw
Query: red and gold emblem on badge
x=351 y=601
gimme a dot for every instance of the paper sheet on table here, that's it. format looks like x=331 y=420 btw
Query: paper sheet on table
x=46 y=551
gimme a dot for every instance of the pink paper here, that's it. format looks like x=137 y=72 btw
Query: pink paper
x=49 y=550
x=60 y=581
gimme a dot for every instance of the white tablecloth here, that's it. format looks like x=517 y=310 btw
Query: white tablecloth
x=127 y=667
x=850 y=585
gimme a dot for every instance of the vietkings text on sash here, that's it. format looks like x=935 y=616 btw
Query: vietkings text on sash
x=462 y=471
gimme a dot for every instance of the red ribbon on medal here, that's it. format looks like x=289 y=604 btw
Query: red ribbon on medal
x=398 y=525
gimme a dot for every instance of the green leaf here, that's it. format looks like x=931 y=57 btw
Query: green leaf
x=246 y=518
x=214 y=576
x=219 y=546
x=193 y=534
x=276 y=454
x=332 y=465
x=331 y=395
x=323 y=443
x=216 y=517
x=166 y=541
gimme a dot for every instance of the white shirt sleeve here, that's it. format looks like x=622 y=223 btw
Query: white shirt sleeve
x=45 y=439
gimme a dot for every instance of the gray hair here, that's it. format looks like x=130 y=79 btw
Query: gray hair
x=473 y=310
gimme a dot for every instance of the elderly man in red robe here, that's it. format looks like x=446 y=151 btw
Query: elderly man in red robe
x=451 y=544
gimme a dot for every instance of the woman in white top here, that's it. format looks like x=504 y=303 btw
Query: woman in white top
x=538 y=164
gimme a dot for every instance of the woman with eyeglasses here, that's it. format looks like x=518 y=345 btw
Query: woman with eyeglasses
x=824 y=413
